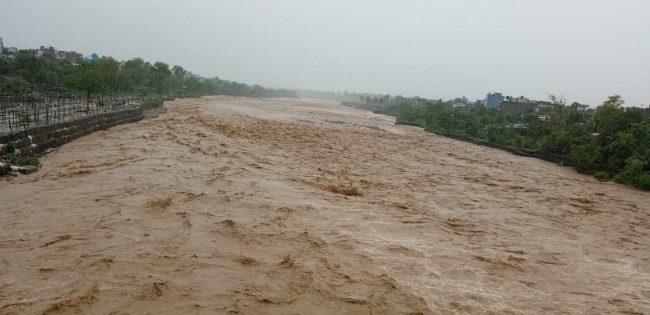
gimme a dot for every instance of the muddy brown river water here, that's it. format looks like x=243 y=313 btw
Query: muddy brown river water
x=259 y=206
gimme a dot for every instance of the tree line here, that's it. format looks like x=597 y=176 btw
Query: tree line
x=610 y=142
x=107 y=77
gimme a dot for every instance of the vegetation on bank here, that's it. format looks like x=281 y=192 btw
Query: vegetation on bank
x=108 y=77
x=612 y=142
x=26 y=160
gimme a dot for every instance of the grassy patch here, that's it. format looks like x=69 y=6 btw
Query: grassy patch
x=23 y=160
x=154 y=101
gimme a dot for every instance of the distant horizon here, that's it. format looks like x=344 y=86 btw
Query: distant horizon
x=90 y=52
x=431 y=49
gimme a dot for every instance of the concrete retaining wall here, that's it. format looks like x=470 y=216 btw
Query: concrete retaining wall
x=37 y=140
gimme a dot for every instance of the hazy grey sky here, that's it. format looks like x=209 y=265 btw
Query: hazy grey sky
x=583 y=49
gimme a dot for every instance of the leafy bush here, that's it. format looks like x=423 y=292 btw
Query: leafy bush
x=585 y=158
x=24 y=160
x=633 y=174
x=602 y=176
x=558 y=142
x=153 y=102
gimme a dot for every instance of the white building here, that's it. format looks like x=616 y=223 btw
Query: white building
x=2 y=47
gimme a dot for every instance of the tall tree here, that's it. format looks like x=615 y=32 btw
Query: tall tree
x=178 y=78
x=110 y=71
x=88 y=79
x=609 y=116
x=160 y=76
x=29 y=65
x=138 y=72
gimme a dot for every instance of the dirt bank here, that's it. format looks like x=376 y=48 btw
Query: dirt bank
x=294 y=206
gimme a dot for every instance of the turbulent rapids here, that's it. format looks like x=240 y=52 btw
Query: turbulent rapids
x=286 y=206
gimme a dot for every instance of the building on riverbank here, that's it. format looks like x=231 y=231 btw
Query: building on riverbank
x=492 y=100
x=518 y=106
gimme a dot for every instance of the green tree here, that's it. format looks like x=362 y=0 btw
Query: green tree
x=195 y=86
x=178 y=78
x=160 y=76
x=138 y=73
x=635 y=173
x=110 y=73
x=88 y=79
x=558 y=142
x=16 y=85
x=609 y=116
x=585 y=158
x=28 y=65
x=620 y=149
x=7 y=66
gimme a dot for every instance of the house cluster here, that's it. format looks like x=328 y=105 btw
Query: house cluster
x=7 y=52
x=48 y=52
x=463 y=102
x=517 y=105
x=524 y=106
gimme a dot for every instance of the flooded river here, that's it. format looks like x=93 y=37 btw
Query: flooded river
x=258 y=206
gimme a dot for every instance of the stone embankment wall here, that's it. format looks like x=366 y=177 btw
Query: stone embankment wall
x=36 y=140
